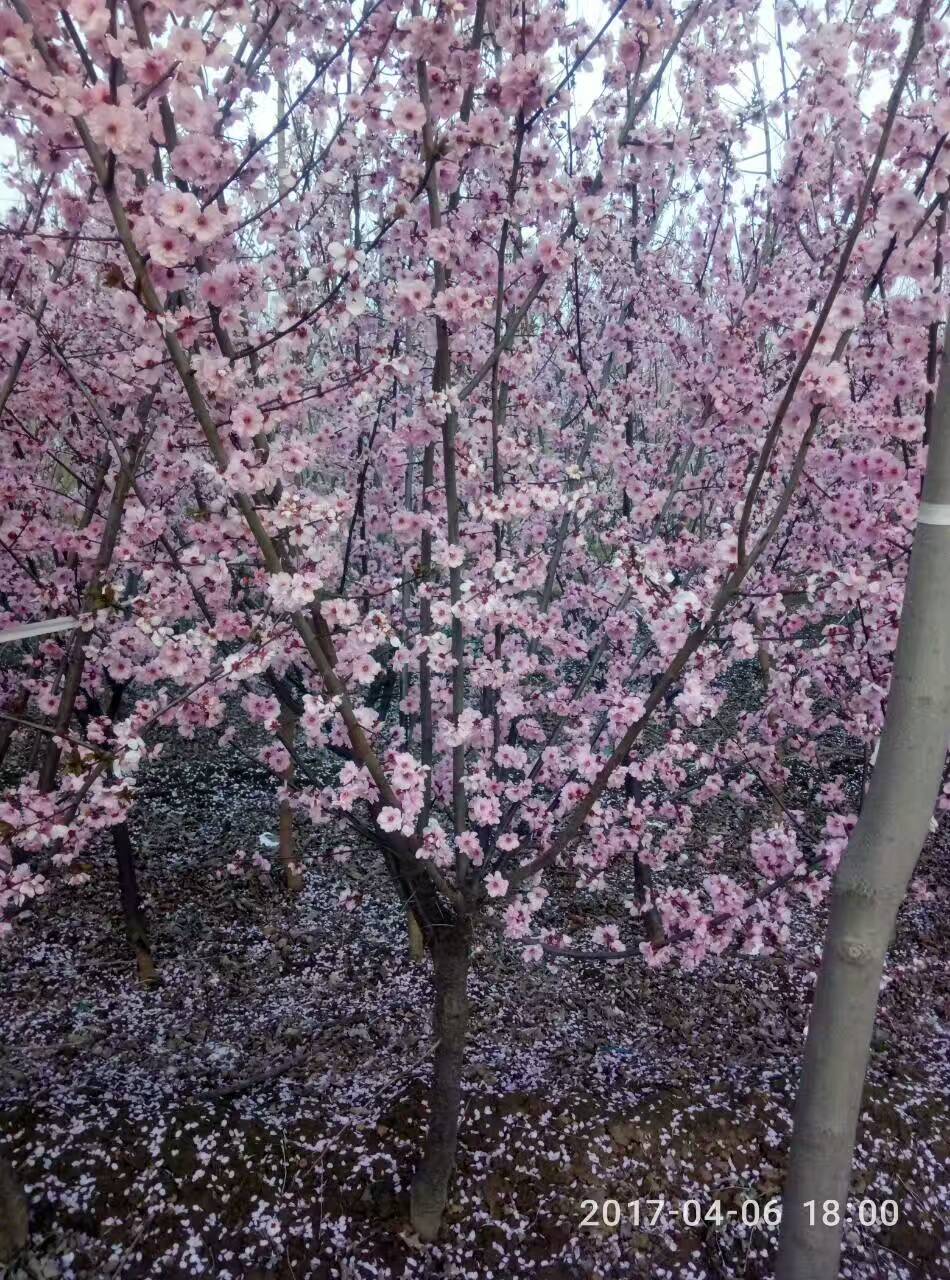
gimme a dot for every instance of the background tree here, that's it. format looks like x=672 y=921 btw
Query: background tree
x=871 y=884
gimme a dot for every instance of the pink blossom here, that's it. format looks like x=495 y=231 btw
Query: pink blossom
x=169 y=248
x=365 y=669
x=412 y=296
x=389 y=819
x=409 y=115
x=496 y=886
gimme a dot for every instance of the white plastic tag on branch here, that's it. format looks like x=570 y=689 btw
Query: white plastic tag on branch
x=26 y=630
x=934 y=513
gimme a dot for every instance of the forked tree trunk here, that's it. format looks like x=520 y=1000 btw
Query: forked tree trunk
x=451 y=954
x=132 y=912
x=871 y=883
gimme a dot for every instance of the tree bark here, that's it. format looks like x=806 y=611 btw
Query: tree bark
x=417 y=945
x=652 y=920
x=451 y=954
x=643 y=878
x=132 y=912
x=286 y=827
x=872 y=881
x=14 y=1214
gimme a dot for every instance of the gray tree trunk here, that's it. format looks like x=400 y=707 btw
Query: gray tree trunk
x=132 y=911
x=871 y=883
x=451 y=955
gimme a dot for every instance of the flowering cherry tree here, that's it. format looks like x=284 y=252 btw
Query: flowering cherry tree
x=462 y=391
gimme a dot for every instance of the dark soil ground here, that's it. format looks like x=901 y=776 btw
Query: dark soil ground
x=257 y=1114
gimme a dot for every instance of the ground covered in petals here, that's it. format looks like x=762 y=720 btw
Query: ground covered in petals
x=256 y=1114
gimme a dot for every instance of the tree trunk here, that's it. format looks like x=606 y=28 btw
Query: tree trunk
x=872 y=881
x=14 y=1216
x=417 y=942
x=451 y=954
x=286 y=827
x=132 y=912
x=643 y=878
x=652 y=920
